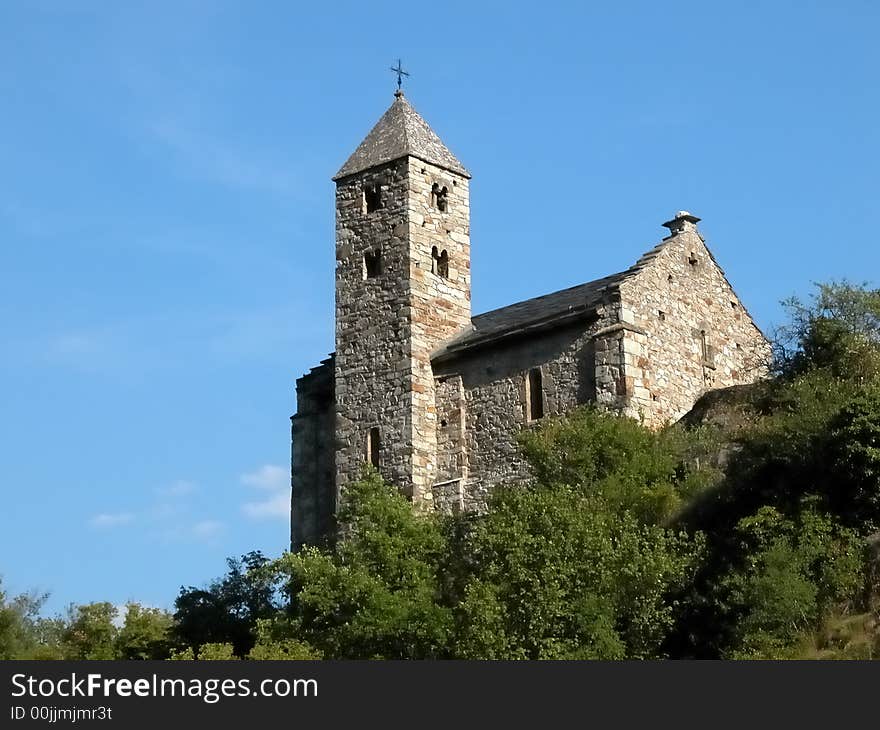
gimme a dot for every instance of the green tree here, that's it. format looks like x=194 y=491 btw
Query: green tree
x=558 y=574
x=854 y=459
x=90 y=632
x=377 y=594
x=205 y=652
x=837 y=329
x=20 y=625
x=630 y=467
x=796 y=572
x=145 y=634
x=228 y=609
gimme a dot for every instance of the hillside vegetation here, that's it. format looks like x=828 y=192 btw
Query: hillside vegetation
x=748 y=530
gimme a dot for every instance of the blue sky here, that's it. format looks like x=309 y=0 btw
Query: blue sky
x=166 y=221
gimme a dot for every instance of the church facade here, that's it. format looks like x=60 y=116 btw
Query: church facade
x=434 y=396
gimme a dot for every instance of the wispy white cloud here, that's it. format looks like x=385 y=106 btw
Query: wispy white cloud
x=121 y=611
x=275 y=507
x=89 y=349
x=173 y=502
x=123 y=608
x=268 y=476
x=179 y=488
x=206 y=529
x=221 y=161
x=275 y=481
x=106 y=520
x=116 y=349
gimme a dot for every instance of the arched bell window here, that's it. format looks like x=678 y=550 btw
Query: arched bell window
x=440 y=262
x=440 y=197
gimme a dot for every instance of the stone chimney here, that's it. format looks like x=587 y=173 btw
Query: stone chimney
x=683 y=221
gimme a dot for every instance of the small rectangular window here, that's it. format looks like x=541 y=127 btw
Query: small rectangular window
x=706 y=350
x=372 y=197
x=373 y=447
x=372 y=264
x=535 y=394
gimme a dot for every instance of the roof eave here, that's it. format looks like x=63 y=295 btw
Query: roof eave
x=343 y=173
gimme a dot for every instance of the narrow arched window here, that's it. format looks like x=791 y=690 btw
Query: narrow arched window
x=439 y=197
x=373 y=447
x=443 y=265
x=440 y=262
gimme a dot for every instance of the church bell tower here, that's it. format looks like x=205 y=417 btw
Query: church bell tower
x=403 y=288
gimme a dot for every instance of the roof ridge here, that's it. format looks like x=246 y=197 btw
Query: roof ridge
x=405 y=105
x=614 y=276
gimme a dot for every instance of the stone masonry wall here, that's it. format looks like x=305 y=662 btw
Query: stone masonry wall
x=495 y=405
x=387 y=325
x=440 y=301
x=372 y=325
x=689 y=331
x=313 y=440
x=451 y=425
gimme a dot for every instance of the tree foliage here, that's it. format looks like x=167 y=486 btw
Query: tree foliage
x=836 y=329
x=377 y=594
x=559 y=574
x=226 y=611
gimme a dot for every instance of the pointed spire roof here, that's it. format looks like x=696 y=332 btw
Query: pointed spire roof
x=401 y=132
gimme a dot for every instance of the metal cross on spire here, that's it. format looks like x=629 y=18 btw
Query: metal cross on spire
x=400 y=74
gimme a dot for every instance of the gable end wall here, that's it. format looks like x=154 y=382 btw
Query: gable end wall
x=665 y=367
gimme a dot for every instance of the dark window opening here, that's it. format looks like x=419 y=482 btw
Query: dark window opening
x=440 y=262
x=443 y=422
x=372 y=263
x=443 y=264
x=535 y=394
x=373 y=446
x=669 y=279
x=440 y=197
x=661 y=314
x=733 y=305
x=372 y=197
x=693 y=260
x=706 y=349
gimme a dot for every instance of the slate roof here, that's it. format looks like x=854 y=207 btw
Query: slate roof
x=399 y=133
x=542 y=312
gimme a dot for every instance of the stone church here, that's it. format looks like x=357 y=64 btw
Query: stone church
x=434 y=396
